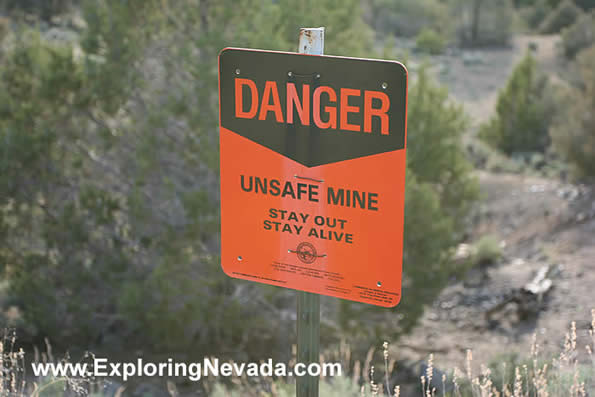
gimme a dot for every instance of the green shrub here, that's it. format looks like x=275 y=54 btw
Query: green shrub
x=68 y=244
x=431 y=42
x=487 y=250
x=573 y=132
x=484 y=156
x=524 y=112
x=564 y=15
x=579 y=36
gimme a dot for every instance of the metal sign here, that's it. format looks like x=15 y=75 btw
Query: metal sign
x=312 y=153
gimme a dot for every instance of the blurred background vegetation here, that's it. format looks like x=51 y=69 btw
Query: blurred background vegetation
x=109 y=160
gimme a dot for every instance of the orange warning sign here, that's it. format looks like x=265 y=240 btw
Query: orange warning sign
x=313 y=163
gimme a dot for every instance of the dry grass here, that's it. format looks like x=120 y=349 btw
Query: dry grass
x=12 y=367
x=16 y=382
x=570 y=374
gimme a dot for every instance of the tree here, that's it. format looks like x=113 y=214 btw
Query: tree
x=573 y=132
x=67 y=248
x=483 y=23
x=44 y=8
x=579 y=36
x=524 y=112
x=564 y=15
x=409 y=17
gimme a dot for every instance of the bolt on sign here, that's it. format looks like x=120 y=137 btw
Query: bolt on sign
x=313 y=172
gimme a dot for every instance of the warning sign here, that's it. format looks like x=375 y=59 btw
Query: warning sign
x=313 y=172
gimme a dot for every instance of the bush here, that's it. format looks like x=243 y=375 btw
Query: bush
x=585 y=4
x=431 y=42
x=536 y=14
x=483 y=23
x=524 y=112
x=579 y=36
x=44 y=8
x=564 y=15
x=487 y=250
x=409 y=17
x=69 y=244
x=573 y=132
x=524 y=3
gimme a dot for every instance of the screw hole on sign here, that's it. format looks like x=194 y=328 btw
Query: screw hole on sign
x=237 y=71
x=289 y=74
x=379 y=284
x=384 y=85
x=240 y=258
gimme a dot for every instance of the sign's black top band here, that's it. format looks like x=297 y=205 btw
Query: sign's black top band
x=341 y=108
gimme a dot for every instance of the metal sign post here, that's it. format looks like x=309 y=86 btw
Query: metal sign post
x=311 y=41
x=308 y=337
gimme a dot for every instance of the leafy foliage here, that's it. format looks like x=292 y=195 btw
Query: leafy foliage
x=565 y=14
x=585 y=4
x=409 y=17
x=44 y=8
x=483 y=23
x=67 y=245
x=574 y=130
x=429 y=41
x=579 y=36
x=536 y=13
x=524 y=112
x=487 y=250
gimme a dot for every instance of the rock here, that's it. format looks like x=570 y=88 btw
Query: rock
x=472 y=58
x=78 y=23
x=518 y=262
x=56 y=20
x=61 y=35
x=540 y=283
x=463 y=253
x=537 y=188
x=527 y=299
x=475 y=277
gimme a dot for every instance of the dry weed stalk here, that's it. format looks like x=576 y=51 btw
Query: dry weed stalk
x=529 y=380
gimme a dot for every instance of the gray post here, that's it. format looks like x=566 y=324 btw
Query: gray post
x=311 y=41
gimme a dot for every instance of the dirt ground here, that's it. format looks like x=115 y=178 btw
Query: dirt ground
x=540 y=222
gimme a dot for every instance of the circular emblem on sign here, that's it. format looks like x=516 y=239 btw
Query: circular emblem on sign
x=306 y=252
